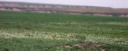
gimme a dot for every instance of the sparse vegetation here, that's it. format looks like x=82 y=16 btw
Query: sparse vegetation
x=60 y=32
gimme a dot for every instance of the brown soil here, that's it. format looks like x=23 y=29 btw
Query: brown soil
x=84 y=45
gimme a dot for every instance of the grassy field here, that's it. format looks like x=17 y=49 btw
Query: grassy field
x=60 y=32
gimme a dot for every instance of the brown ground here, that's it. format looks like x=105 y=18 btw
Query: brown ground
x=85 y=45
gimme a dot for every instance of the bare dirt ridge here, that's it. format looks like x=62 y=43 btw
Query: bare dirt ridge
x=84 y=45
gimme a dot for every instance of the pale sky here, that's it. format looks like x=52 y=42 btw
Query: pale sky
x=105 y=3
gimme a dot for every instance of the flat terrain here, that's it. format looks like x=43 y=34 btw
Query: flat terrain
x=60 y=32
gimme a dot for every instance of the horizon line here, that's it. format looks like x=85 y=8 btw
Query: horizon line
x=59 y=4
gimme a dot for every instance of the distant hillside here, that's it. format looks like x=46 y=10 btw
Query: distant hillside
x=54 y=8
x=35 y=5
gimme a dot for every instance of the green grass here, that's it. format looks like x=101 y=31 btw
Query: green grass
x=20 y=31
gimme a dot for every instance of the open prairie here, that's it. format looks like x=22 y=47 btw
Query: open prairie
x=20 y=31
